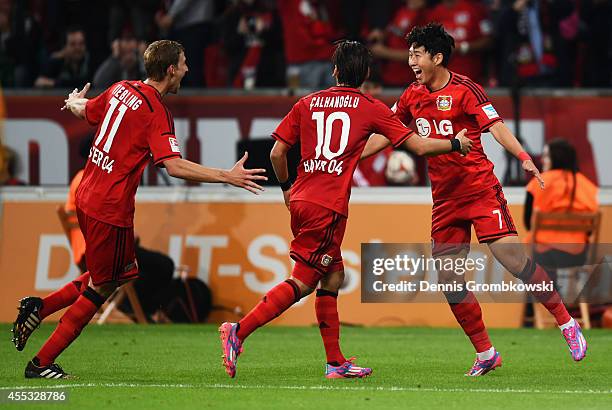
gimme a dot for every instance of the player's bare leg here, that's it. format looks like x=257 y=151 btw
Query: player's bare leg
x=32 y=310
x=329 y=325
x=273 y=304
x=466 y=309
x=68 y=329
x=510 y=253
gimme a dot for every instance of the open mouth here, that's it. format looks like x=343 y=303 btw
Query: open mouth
x=418 y=73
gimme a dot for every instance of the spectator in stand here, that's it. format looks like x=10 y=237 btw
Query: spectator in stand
x=125 y=63
x=308 y=37
x=393 y=50
x=190 y=22
x=25 y=44
x=468 y=23
x=252 y=41
x=530 y=45
x=567 y=190
x=139 y=16
x=596 y=70
x=68 y=67
x=365 y=20
x=8 y=167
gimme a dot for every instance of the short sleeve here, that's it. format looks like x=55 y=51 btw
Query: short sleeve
x=161 y=139
x=386 y=123
x=477 y=104
x=288 y=131
x=96 y=107
x=402 y=109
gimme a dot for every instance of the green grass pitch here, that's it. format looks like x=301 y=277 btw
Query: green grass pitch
x=179 y=367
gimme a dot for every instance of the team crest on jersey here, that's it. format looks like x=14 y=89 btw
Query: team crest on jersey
x=326 y=260
x=444 y=102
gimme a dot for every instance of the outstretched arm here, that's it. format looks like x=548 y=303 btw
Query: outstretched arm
x=76 y=101
x=420 y=146
x=278 y=157
x=238 y=176
x=506 y=139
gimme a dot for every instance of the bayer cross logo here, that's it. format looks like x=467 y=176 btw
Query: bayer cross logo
x=444 y=102
x=326 y=260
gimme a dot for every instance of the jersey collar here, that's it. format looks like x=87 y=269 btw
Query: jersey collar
x=444 y=86
x=151 y=87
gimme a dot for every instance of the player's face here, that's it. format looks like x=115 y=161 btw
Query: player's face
x=177 y=73
x=421 y=63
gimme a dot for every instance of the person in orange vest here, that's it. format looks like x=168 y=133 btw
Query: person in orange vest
x=567 y=190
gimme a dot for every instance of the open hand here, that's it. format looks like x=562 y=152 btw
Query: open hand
x=75 y=95
x=245 y=178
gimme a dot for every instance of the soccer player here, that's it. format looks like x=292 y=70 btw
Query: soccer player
x=465 y=190
x=332 y=127
x=133 y=125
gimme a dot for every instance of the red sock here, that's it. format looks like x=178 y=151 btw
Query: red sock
x=70 y=325
x=275 y=302
x=64 y=296
x=534 y=273
x=326 y=304
x=468 y=314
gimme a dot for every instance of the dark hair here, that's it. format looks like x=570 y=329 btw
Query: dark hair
x=563 y=156
x=159 y=56
x=73 y=29
x=434 y=39
x=353 y=62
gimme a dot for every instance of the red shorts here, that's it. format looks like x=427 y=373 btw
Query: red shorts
x=318 y=233
x=452 y=220
x=109 y=250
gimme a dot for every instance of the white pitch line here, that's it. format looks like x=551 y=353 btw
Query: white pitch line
x=306 y=388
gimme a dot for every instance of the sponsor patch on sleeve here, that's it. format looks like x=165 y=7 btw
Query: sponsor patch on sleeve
x=174 y=144
x=490 y=111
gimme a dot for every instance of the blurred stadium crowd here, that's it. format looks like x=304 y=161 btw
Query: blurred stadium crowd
x=280 y=43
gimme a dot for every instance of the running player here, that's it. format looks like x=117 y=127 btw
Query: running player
x=332 y=127
x=465 y=190
x=133 y=125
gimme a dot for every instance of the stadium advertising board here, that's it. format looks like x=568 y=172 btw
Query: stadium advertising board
x=240 y=248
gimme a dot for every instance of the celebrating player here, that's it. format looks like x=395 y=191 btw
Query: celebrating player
x=133 y=125
x=465 y=190
x=332 y=127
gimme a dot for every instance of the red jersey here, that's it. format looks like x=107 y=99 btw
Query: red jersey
x=398 y=73
x=465 y=21
x=133 y=125
x=441 y=114
x=333 y=127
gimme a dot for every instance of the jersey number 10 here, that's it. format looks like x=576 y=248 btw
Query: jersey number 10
x=324 y=131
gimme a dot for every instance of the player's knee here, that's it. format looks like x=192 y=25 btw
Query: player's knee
x=303 y=288
x=333 y=281
x=514 y=262
x=106 y=289
x=306 y=276
x=94 y=295
x=446 y=277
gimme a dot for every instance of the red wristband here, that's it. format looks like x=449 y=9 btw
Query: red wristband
x=523 y=156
